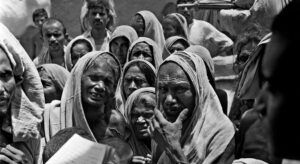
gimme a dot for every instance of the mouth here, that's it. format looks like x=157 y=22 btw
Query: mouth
x=96 y=96
x=173 y=110
x=3 y=101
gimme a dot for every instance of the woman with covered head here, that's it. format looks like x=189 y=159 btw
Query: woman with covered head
x=88 y=98
x=189 y=125
x=75 y=49
x=138 y=109
x=210 y=70
x=136 y=74
x=120 y=40
x=173 y=44
x=147 y=25
x=175 y=24
x=53 y=78
x=145 y=49
x=21 y=103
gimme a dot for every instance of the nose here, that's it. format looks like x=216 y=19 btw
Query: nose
x=52 y=38
x=132 y=87
x=185 y=9
x=141 y=119
x=100 y=86
x=170 y=100
x=97 y=16
x=141 y=56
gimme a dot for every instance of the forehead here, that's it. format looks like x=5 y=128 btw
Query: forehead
x=274 y=50
x=120 y=40
x=53 y=27
x=171 y=71
x=100 y=66
x=43 y=73
x=134 y=69
x=80 y=46
x=4 y=61
x=146 y=97
x=99 y=9
x=141 y=46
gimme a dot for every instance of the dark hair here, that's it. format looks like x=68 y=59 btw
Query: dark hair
x=184 y=1
x=52 y=21
x=82 y=41
x=39 y=12
x=60 y=138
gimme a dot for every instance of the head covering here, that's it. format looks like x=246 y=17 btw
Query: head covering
x=169 y=42
x=58 y=74
x=208 y=131
x=182 y=22
x=139 y=148
x=248 y=87
x=28 y=99
x=120 y=97
x=124 y=31
x=72 y=112
x=68 y=58
x=85 y=26
x=157 y=53
x=153 y=28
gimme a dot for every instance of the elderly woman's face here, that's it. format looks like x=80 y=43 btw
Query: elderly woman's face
x=138 y=24
x=50 y=91
x=175 y=91
x=7 y=83
x=78 y=51
x=169 y=28
x=142 y=110
x=142 y=51
x=177 y=46
x=98 y=84
x=134 y=79
x=119 y=47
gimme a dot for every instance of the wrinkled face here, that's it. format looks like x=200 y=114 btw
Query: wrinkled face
x=50 y=91
x=98 y=17
x=97 y=84
x=177 y=46
x=54 y=36
x=142 y=51
x=78 y=51
x=187 y=12
x=39 y=20
x=142 y=110
x=119 y=47
x=175 y=91
x=134 y=79
x=169 y=27
x=7 y=83
x=138 y=24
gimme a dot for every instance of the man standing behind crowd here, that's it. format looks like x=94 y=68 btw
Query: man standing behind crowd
x=100 y=17
x=54 y=36
x=32 y=40
x=203 y=33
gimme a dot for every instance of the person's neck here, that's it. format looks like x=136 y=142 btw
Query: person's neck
x=98 y=34
x=57 y=57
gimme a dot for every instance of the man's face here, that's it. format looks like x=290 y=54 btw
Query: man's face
x=142 y=110
x=187 y=12
x=39 y=20
x=119 y=47
x=98 y=17
x=54 y=36
x=7 y=83
x=175 y=91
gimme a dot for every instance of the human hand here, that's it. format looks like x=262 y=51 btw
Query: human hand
x=12 y=155
x=141 y=159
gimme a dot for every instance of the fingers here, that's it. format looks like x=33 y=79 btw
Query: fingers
x=159 y=116
x=14 y=150
x=182 y=116
x=13 y=153
x=139 y=159
x=4 y=158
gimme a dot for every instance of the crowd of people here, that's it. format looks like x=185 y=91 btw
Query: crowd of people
x=147 y=90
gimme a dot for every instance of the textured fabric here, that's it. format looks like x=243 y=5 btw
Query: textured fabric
x=138 y=147
x=169 y=42
x=248 y=87
x=207 y=133
x=157 y=53
x=120 y=97
x=68 y=58
x=44 y=57
x=204 y=34
x=182 y=22
x=124 y=31
x=28 y=100
x=153 y=28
